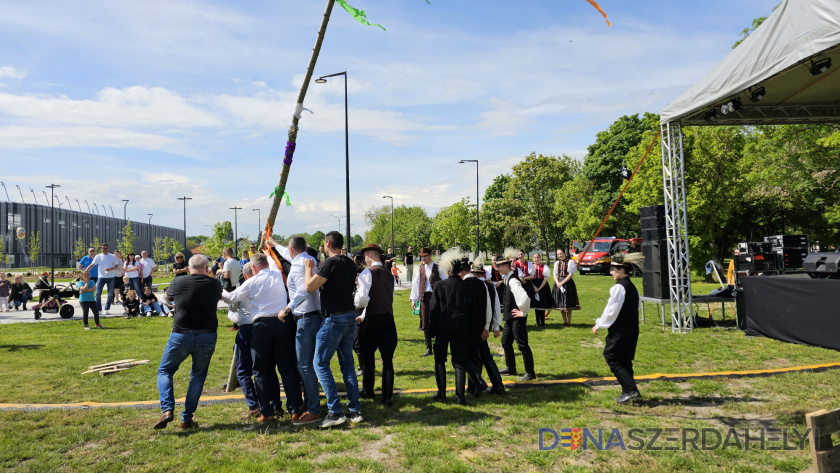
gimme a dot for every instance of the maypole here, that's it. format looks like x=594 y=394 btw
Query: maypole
x=280 y=190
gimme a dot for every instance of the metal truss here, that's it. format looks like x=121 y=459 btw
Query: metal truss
x=767 y=115
x=676 y=227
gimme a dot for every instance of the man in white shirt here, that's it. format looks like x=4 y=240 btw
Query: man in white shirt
x=244 y=362
x=515 y=307
x=272 y=342
x=306 y=309
x=428 y=274
x=149 y=267
x=107 y=264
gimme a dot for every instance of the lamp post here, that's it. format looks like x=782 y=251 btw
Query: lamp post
x=185 y=199
x=477 y=246
x=235 y=231
x=52 y=188
x=259 y=224
x=150 y=218
x=125 y=219
x=152 y=229
x=88 y=206
x=323 y=80
x=95 y=208
x=69 y=205
x=339 y=221
x=112 y=211
x=21 y=194
x=33 y=195
x=78 y=204
x=46 y=197
x=7 y=192
x=393 y=247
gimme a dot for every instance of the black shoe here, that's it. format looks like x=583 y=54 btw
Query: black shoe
x=387 y=387
x=428 y=352
x=507 y=372
x=628 y=397
x=439 y=396
x=528 y=377
x=461 y=401
x=365 y=395
x=482 y=388
x=500 y=390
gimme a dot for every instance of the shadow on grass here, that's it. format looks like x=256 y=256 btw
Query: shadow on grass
x=697 y=401
x=12 y=348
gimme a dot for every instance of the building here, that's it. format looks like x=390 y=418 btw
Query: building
x=70 y=225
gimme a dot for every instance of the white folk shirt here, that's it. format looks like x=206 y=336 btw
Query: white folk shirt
x=265 y=291
x=489 y=316
x=530 y=270
x=519 y=294
x=571 y=268
x=415 y=283
x=613 y=307
x=300 y=301
x=362 y=297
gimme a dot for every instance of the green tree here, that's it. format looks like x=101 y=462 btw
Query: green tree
x=195 y=241
x=3 y=257
x=498 y=188
x=316 y=240
x=159 y=249
x=172 y=246
x=412 y=226
x=96 y=243
x=221 y=238
x=33 y=247
x=455 y=226
x=125 y=244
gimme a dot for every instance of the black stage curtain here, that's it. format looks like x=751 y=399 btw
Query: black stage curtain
x=793 y=309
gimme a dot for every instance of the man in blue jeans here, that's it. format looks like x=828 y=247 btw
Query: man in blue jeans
x=193 y=334
x=107 y=264
x=306 y=308
x=337 y=278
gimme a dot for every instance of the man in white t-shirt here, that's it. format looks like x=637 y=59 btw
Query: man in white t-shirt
x=231 y=268
x=108 y=265
x=149 y=267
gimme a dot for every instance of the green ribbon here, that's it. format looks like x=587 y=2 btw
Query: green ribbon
x=276 y=191
x=359 y=15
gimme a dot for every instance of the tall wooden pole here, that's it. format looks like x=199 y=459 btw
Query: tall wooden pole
x=293 y=130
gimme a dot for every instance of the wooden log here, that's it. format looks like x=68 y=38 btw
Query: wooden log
x=110 y=371
x=233 y=381
x=121 y=365
x=109 y=364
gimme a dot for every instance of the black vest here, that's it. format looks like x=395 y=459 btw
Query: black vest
x=509 y=301
x=381 y=292
x=493 y=297
x=628 y=315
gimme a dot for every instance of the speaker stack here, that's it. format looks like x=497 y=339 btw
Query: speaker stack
x=655 y=279
x=791 y=250
x=822 y=265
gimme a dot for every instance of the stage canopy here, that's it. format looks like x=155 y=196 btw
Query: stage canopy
x=780 y=57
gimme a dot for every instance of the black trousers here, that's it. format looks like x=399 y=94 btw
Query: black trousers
x=516 y=330
x=89 y=306
x=482 y=357
x=273 y=346
x=378 y=332
x=456 y=342
x=619 y=352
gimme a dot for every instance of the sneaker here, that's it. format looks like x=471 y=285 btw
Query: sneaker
x=107 y=312
x=127 y=316
x=333 y=419
x=628 y=397
x=148 y=314
x=307 y=418
x=87 y=327
x=356 y=417
x=99 y=326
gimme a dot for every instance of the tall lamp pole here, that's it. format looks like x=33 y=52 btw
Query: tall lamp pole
x=78 y=204
x=7 y=192
x=33 y=195
x=323 y=80
x=21 y=194
x=185 y=199
x=235 y=231
x=339 y=221
x=477 y=246
x=259 y=223
x=393 y=247
x=69 y=205
x=52 y=188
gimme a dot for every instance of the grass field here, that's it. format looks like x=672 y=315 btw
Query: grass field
x=41 y=363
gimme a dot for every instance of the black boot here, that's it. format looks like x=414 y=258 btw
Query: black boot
x=428 y=344
x=440 y=380
x=474 y=377
x=387 y=387
x=361 y=364
x=471 y=387
x=625 y=379
x=368 y=381
x=495 y=379
x=460 y=381
x=528 y=361
x=510 y=362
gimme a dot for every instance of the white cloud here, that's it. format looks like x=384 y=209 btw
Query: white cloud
x=73 y=136
x=10 y=73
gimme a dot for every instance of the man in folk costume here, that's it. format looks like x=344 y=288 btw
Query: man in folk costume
x=515 y=307
x=542 y=300
x=565 y=290
x=450 y=317
x=428 y=275
x=377 y=329
x=621 y=319
x=488 y=316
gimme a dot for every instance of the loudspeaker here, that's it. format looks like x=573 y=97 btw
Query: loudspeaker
x=822 y=265
x=788 y=241
x=655 y=282
x=652 y=220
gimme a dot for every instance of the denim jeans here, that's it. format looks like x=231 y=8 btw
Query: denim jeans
x=306 y=336
x=244 y=365
x=21 y=299
x=273 y=347
x=336 y=336
x=135 y=284
x=178 y=348
x=147 y=282
x=157 y=307
x=102 y=282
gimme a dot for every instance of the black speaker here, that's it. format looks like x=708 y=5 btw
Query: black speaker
x=652 y=219
x=655 y=282
x=788 y=241
x=822 y=265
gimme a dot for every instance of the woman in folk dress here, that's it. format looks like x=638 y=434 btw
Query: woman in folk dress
x=565 y=291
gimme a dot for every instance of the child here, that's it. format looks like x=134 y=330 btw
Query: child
x=125 y=288
x=86 y=299
x=5 y=290
x=132 y=305
x=151 y=306
x=170 y=307
x=396 y=273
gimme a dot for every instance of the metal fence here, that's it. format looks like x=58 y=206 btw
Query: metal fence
x=70 y=225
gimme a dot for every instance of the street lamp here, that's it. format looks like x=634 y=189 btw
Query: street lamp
x=7 y=192
x=33 y=195
x=52 y=188
x=88 y=206
x=477 y=246
x=150 y=218
x=259 y=223
x=96 y=208
x=339 y=221
x=235 y=231
x=21 y=194
x=125 y=219
x=323 y=80
x=185 y=199
x=69 y=205
x=112 y=211
x=393 y=247
x=78 y=204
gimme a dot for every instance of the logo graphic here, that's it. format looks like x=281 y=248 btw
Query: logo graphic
x=21 y=233
x=570 y=439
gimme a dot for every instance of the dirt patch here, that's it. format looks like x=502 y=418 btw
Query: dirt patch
x=592 y=343
x=376 y=450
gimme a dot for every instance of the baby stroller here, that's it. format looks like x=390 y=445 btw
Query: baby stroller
x=54 y=303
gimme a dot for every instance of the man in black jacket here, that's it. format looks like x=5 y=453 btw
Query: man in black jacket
x=487 y=317
x=515 y=306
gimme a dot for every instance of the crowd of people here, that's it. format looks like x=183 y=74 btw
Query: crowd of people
x=295 y=309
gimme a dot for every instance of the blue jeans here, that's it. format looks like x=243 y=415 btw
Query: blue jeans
x=244 y=365
x=336 y=336
x=147 y=282
x=157 y=307
x=306 y=337
x=22 y=299
x=135 y=284
x=178 y=348
x=102 y=282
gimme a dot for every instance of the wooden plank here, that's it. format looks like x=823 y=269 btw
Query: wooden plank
x=110 y=371
x=233 y=381
x=820 y=440
x=109 y=364
x=121 y=365
x=828 y=461
x=827 y=422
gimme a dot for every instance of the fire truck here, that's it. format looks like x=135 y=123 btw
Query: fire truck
x=599 y=256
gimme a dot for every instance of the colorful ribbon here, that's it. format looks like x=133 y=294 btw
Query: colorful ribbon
x=598 y=7
x=359 y=15
x=276 y=191
x=290 y=152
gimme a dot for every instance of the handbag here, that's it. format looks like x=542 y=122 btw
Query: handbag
x=415 y=310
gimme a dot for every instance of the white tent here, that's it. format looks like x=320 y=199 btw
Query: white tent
x=785 y=72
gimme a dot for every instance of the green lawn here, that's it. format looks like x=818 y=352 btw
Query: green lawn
x=41 y=363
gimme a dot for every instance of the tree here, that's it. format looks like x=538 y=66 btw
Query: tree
x=3 y=258
x=195 y=241
x=160 y=251
x=316 y=240
x=79 y=249
x=455 y=226
x=498 y=188
x=125 y=244
x=33 y=247
x=412 y=226
x=220 y=239
x=172 y=246
x=95 y=244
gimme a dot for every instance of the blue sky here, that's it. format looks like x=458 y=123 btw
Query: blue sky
x=149 y=101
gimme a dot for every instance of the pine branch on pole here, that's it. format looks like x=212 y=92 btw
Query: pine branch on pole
x=293 y=130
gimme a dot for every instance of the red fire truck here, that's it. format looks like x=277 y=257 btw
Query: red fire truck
x=599 y=256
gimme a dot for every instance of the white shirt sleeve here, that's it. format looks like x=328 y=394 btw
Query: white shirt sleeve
x=613 y=307
x=363 y=291
x=415 y=290
x=284 y=252
x=571 y=267
x=488 y=318
x=240 y=294
x=497 y=316
x=520 y=296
